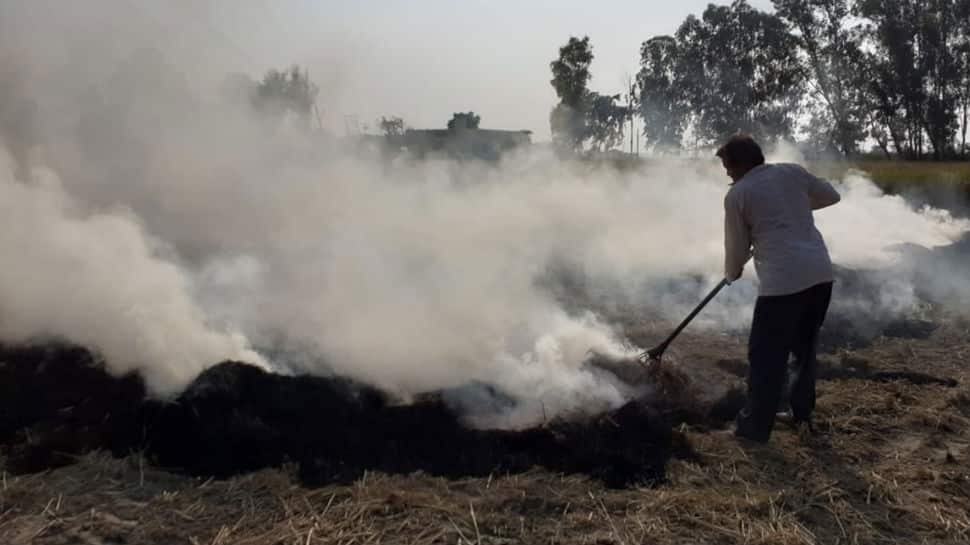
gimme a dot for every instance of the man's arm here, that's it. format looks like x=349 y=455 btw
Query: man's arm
x=821 y=193
x=737 y=239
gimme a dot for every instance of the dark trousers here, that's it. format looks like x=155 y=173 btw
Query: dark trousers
x=783 y=325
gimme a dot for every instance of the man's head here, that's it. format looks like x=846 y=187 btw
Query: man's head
x=739 y=155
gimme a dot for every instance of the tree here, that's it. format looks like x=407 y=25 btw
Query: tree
x=734 y=69
x=741 y=73
x=962 y=53
x=894 y=71
x=393 y=126
x=283 y=92
x=940 y=29
x=916 y=86
x=570 y=72
x=568 y=126
x=582 y=115
x=570 y=77
x=605 y=119
x=464 y=120
x=835 y=71
x=663 y=103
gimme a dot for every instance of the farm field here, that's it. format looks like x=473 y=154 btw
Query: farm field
x=304 y=273
x=947 y=182
x=890 y=464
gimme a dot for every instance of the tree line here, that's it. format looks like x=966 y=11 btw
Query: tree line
x=290 y=94
x=836 y=75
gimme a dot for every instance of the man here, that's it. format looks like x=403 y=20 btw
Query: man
x=768 y=216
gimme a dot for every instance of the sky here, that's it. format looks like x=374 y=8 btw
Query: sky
x=423 y=60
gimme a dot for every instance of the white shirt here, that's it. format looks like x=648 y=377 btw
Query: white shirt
x=770 y=210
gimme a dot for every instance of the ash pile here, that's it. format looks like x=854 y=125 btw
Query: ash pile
x=58 y=403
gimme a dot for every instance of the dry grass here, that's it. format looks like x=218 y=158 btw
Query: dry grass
x=946 y=178
x=891 y=464
x=920 y=172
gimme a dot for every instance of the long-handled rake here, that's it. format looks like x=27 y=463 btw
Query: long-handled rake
x=651 y=357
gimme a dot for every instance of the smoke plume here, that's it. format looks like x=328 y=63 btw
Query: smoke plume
x=148 y=216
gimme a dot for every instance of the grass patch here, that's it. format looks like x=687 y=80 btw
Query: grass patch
x=916 y=172
x=945 y=179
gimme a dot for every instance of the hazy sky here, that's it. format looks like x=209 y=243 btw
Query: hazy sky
x=425 y=59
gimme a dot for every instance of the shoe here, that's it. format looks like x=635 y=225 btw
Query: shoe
x=788 y=419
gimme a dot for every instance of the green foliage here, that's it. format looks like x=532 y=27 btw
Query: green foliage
x=961 y=53
x=568 y=125
x=464 y=120
x=918 y=73
x=664 y=104
x=570 y=72
x=391 y=126
x=283 y=92
x=893 y=72
x=570 y=77
x=744 y=73
x=835 y=68
x=944 y=179
x=734 y=69
x=582 y=116
x=604 y=121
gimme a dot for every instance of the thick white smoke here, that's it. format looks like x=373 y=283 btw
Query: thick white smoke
x=151 y=219
x=96 y=280
x=868 y=225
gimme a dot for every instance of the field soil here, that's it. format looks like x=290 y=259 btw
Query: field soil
x=889 y=463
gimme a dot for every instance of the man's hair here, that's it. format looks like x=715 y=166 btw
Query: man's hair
x=741 y=150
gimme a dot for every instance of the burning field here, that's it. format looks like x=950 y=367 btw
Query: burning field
x=244 y=453
x=236 y=418
x=540 y=427
x=221 y=324
x=242 y=456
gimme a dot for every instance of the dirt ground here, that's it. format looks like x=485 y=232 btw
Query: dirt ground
x=889 y=463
